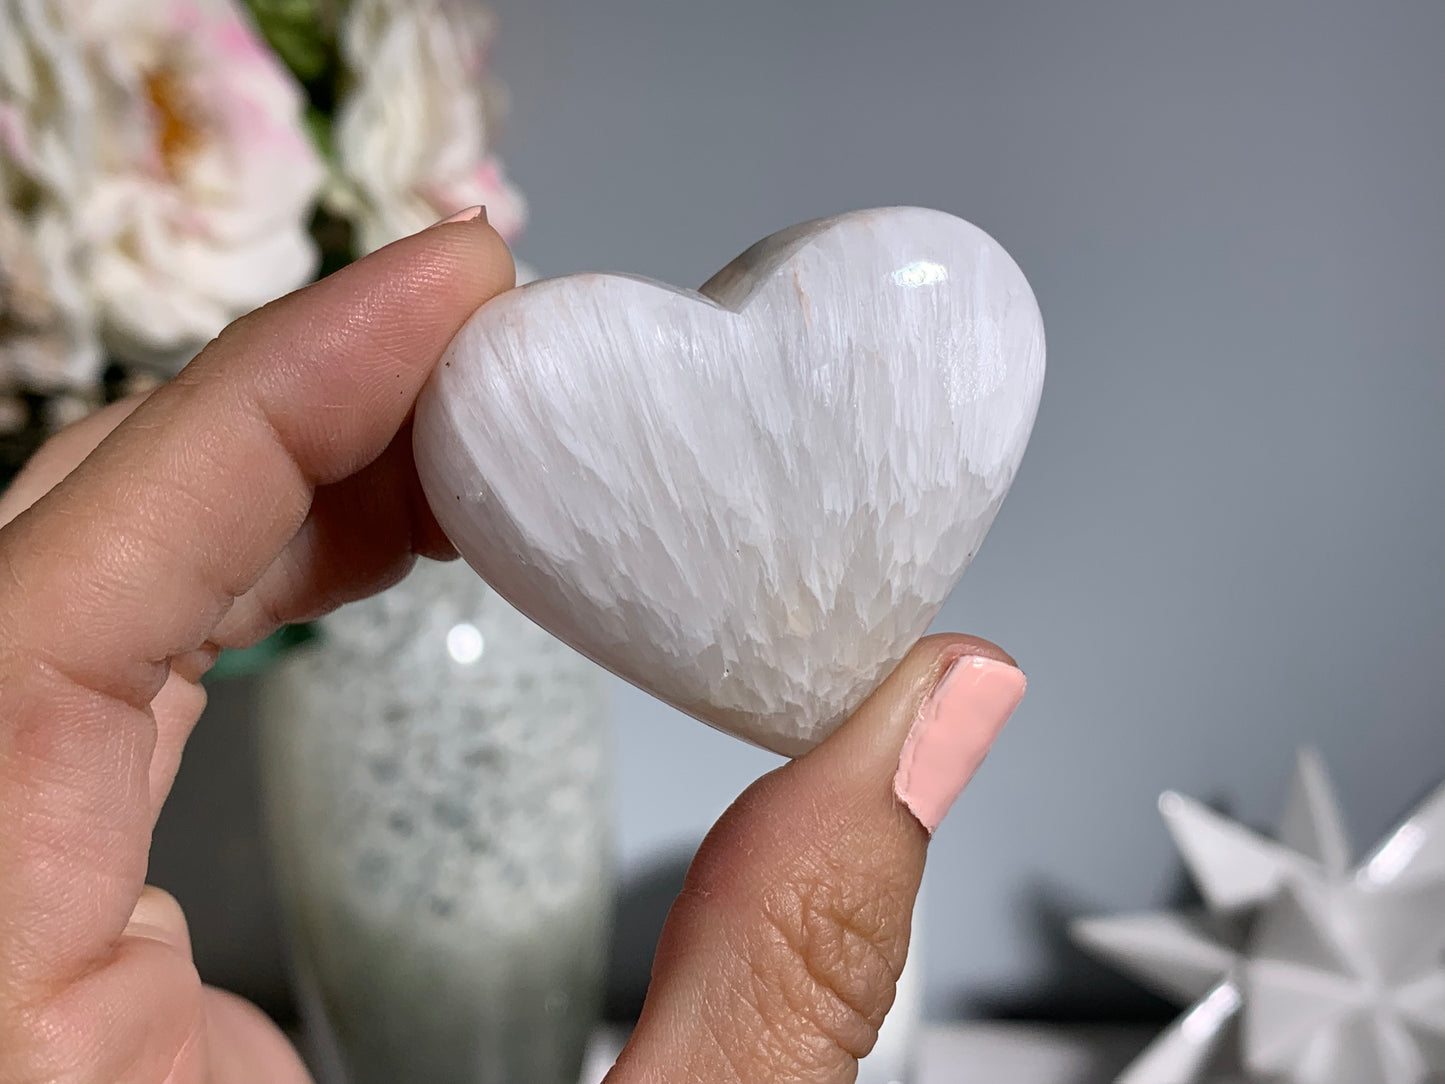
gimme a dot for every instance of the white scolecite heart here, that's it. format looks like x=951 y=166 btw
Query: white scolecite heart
x=750 y=500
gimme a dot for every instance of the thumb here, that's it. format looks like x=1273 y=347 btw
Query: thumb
x=779 y=959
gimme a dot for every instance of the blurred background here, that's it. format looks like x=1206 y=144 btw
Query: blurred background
x=1227 y=537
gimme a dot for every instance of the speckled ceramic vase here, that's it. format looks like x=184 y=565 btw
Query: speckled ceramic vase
x=437 y=782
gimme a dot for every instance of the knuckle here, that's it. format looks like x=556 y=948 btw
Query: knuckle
x=834 y=947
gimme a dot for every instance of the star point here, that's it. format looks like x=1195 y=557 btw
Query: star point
x=1301 y=969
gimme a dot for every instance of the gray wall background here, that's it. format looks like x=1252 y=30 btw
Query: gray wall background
x=1227 y=536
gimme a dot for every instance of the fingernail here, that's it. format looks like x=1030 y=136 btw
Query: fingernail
x=952 y=734
x=471 y=213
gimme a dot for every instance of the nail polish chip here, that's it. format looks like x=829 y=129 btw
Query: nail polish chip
x=749 y=500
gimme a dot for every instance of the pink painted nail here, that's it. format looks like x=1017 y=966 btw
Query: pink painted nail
x=467 y=215
x=953 y=732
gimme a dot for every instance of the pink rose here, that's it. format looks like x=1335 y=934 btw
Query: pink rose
x=169 y=184
x=413 y=137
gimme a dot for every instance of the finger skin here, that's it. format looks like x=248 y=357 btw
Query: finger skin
x=359 y=537
x=180 y=700
x=113 y=583
x=244 y=1047
x=60 y=455
x=188 y=502
x=779 y=959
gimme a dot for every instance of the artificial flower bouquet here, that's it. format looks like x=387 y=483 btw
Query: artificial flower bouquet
x=168 y=165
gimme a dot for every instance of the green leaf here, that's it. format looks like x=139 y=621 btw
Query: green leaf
x=295 y=29
x=318 y=126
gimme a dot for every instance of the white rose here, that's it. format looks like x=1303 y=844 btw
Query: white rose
x=413 y=135
x=155 y=149
x=47 y=326
x=48 y=334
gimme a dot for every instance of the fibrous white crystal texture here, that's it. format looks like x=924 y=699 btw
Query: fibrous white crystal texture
x=749 y=500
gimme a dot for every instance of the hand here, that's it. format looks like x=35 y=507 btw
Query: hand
x=269 y=483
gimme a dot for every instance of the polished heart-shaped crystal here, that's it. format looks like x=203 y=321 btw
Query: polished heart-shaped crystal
x=749 y=500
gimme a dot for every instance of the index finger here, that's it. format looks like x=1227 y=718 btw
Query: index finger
x=135 y=557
